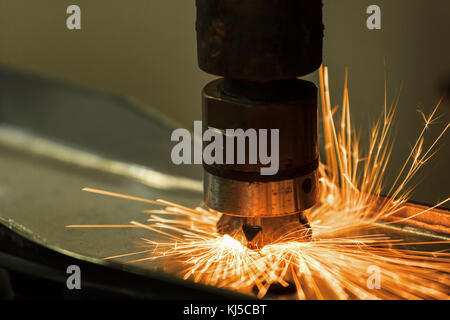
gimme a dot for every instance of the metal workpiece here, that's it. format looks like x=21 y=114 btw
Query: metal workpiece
x=259 y=40
x=47 y=156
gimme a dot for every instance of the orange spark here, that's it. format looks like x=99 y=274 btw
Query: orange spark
x=335 y=263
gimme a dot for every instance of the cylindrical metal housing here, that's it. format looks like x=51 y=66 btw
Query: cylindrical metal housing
x=259 y=40
x=241 y=189
x=260 y=199
x=260 y=47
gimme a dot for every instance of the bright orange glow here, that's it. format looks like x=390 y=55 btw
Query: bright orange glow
x=335 y=264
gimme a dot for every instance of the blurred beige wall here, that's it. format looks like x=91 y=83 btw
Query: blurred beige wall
x=146 y=49
x=140 y=48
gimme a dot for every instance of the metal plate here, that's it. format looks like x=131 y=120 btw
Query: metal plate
x=48 y=135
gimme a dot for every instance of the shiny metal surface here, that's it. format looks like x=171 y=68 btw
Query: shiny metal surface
x=263 y=199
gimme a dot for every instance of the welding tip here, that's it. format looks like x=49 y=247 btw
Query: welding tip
x=252 y=230
x=258 y=232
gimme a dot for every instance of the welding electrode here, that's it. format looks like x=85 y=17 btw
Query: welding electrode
x=259 y=47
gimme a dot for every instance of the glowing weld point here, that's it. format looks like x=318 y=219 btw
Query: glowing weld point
x=231 y=243
x=330 y=199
